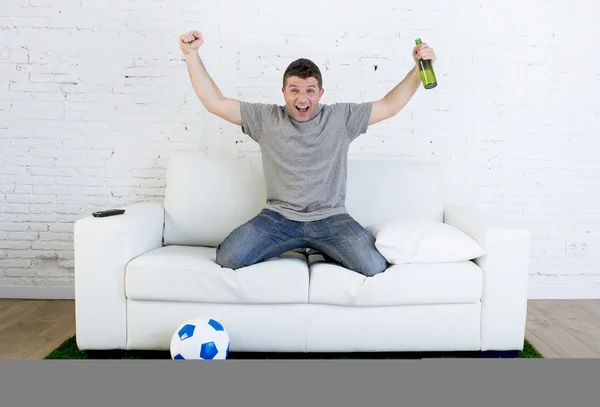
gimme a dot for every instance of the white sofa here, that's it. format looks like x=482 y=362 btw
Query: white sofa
x=140 y=274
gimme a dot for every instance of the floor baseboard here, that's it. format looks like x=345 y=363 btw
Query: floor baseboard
x=38 y=292
x=563 y=293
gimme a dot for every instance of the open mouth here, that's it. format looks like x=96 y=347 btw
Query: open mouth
x=302 y=109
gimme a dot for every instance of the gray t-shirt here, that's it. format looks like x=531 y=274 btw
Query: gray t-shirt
x=305 y=163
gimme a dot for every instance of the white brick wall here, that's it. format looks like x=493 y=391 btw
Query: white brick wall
x=95 y=97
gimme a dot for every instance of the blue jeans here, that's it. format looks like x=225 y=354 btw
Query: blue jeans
x=339 y=238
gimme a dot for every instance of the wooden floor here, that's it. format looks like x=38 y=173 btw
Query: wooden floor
x=565 y=328
x=30 y=329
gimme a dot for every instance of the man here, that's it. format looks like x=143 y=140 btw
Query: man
x=304 y=147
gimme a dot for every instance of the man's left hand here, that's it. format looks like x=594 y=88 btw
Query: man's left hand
x=423 y=51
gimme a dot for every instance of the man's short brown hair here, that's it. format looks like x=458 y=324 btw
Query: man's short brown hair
x=303 y=68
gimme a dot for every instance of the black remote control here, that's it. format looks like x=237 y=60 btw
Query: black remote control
x=108 y=212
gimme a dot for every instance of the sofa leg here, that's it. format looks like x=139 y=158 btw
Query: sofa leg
x=503 y=354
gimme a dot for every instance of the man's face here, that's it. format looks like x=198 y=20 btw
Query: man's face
x=302 y=97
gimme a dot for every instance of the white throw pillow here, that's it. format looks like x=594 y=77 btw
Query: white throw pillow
x=421 y=241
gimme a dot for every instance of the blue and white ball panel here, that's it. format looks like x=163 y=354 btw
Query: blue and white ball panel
x=200 y=339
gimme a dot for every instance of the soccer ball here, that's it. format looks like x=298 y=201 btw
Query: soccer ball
x=200 y=339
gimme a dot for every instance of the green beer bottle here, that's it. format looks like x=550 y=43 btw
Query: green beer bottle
x=426 y=69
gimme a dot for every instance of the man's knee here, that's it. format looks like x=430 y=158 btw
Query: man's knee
x=235 y=251
x=365 y=258
x=231 y=254
x=371 y=263
x=251 y=242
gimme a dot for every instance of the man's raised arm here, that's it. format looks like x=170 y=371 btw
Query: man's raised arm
x=206 y=90
x=398 y=97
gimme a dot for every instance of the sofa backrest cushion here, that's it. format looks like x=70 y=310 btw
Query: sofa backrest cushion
x=385 y=190
x=206 y=197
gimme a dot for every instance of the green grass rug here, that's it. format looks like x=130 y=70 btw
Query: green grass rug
x=69 y=350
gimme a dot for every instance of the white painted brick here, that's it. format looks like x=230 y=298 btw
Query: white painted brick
x=14 y=208
x=11 y=244
x=8 y=226
x=61 y=227
x=32 y=12
x=17 y=3
x=54 y=78
x=65 y=254
x=29 y=199
x=42 y=180
x=93 y=191
x=55 y=236
x=57 y=190
x=51 y=172
x=17 y=55
x=31 y=142
x=55 y=3
x=25 y=271
x=66 y=266
x=18 y=235
x=34 y=87
x=81 y=160
x=15 y=217
x=47 y=245
x=38 y=226
x=57 y=209
x=18 y=281
x=71 y=218
x=13 y=75
x=15 y=263
x=83 y=200
x=30 y=254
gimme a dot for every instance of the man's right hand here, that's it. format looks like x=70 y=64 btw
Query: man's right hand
x=190 y=42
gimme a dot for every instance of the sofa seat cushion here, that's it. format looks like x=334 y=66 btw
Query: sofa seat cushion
x=402 y=284
x=190 y=273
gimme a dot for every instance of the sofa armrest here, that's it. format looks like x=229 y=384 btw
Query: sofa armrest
x=103 y=248
x=505 y=268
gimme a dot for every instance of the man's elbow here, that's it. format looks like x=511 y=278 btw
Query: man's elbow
x=214 y=106
x=393 y=107
x=227 y=109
